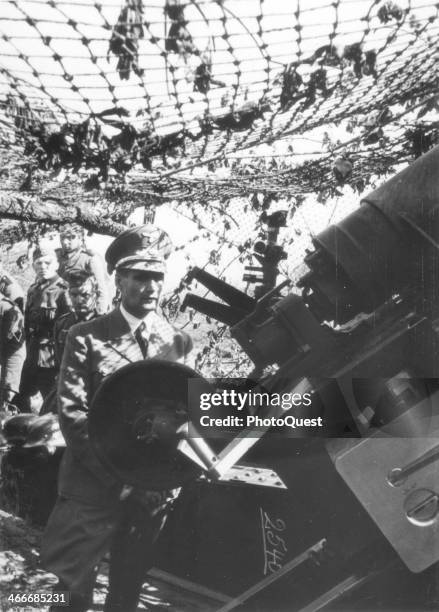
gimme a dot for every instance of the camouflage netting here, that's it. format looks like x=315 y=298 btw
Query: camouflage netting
x=221 y=110
x=169 y=85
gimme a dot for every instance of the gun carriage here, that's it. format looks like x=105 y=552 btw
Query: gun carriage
x=347 y=519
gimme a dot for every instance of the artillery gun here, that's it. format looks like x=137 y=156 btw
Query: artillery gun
x=360 y=331
x=343 y=520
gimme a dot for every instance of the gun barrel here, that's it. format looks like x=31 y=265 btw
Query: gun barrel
x=235 y=298
x=221 y=312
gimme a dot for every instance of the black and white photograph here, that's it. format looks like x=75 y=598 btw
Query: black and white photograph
x=219 y=305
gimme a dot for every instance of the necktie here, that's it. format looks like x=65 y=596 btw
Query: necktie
x=141 y=340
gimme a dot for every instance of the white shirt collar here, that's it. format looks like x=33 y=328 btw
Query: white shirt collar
x=134 y=322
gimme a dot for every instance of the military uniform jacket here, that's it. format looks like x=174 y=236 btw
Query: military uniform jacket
x=10 y=288
x=94 y=350
x=12 y=349
x=60 y=331
x=83 y=260
x=46 y=302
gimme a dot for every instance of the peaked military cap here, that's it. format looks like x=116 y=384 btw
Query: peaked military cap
x=139 y=248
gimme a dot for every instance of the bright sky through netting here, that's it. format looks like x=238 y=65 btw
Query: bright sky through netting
x=213 y=76
x=222 y=110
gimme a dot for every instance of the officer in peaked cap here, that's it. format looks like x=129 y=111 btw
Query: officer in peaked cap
x=140 y=248
x=95 y=512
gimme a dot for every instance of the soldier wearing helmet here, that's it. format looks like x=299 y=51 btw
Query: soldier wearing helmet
x=95 y=513
x=74 y=258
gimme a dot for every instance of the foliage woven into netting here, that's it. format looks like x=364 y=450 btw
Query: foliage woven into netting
x=224 y=111
x=147 y=90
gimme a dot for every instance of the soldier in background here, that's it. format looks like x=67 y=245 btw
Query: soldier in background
x=83 y=298
x=74 y=258
x=83 y=293
x=12 y=349
x=46 y=301
x=10 y=288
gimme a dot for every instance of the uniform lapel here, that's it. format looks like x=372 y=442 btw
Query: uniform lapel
x=121 y=339
x=123 y=342
x=161 y=338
